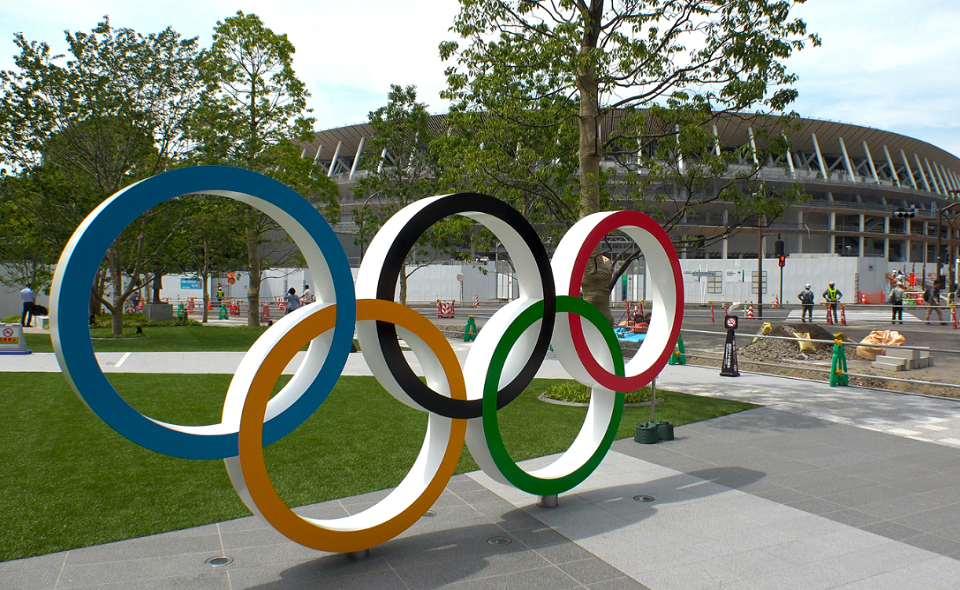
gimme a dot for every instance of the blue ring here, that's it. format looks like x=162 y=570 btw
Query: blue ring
x=77 y=269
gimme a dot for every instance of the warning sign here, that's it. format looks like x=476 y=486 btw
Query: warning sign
x=12 y=340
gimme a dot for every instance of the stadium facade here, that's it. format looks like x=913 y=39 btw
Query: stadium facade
x=860 y=180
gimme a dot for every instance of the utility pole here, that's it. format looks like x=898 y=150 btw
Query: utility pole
x=760 y=267
x=955 y=193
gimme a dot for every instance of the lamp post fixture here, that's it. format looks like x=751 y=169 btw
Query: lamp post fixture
x=955 y=193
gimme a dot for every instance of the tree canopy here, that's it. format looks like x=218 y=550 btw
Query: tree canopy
x=555 y=87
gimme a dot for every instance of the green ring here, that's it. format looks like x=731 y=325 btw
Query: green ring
x=491 y=428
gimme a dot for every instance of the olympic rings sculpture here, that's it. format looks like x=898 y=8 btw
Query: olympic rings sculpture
x=462 y=403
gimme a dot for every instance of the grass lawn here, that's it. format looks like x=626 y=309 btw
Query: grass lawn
x=70 y=481
x=167 y=339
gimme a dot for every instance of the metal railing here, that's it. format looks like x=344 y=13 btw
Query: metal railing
x=819 y=370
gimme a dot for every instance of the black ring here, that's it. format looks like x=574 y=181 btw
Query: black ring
x=395 y=260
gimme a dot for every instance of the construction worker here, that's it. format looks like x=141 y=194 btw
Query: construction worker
x=832 y=295
x=806 y=298
x=896 y=300
x=931 y=296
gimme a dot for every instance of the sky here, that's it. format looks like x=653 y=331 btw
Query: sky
x=888 y=64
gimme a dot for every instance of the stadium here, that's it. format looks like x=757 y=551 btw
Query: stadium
x=875 y=206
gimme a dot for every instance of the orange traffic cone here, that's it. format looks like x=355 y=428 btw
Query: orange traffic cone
x=750 y=312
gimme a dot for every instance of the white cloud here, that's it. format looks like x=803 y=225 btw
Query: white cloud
x=884 y=63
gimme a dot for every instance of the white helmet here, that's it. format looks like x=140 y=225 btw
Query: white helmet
x=807 y=285
x=831 y=283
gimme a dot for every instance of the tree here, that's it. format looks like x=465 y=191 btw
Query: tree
x=656 y=71
x=401 y=130
x=78 y=130
x=255 y=108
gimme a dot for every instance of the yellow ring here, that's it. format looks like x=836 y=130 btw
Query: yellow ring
x=307 y=531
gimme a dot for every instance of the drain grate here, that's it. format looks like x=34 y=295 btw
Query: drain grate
x=429 y=514
x=499 y=541
x=643 y=498
x=219 y=561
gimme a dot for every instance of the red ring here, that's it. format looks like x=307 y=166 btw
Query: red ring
x=608 y=224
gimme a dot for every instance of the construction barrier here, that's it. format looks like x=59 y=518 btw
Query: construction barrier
x=953 y=312
x=750 y=312
x=234 y=308
x=223 y=311
x=878 y=298
x=776 y=303
x=191 y=305
x=843 y=315
x=446 y=310
x=265 y=313
x=476 y=301
x=712 y=320
x=679 y=356
x=838 y=366
x=470 y=330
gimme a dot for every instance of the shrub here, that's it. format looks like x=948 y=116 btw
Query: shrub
x=573 y=391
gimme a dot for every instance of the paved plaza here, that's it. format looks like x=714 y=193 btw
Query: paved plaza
x=820 y=488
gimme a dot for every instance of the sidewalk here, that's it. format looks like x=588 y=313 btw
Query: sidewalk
x=822 y=488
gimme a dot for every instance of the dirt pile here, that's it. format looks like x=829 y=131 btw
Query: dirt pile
x=772 y=350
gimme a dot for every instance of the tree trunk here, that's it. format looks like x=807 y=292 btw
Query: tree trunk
x=253 y=259
x=596 y=276
x=403 y=285
x=116 y=277
x=206 y=280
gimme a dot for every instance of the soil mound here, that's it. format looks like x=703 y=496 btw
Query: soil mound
x=771 y=350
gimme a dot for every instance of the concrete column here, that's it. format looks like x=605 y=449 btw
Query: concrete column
x=833 y=239
x=886 y=241
x=800 y=235
x=873 y=168
x=725 y=244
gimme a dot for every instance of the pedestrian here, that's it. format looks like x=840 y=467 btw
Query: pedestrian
x=896 y=300
x=293 y=302
x=29 y=298
x=219 y=293
x=832 y=295
x=806 y=298
x=931 y=296
x=308 y=296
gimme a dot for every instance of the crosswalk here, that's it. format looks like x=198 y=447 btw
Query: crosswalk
x=861 y=316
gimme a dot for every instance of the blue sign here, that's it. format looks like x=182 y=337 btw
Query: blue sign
x=189 y=283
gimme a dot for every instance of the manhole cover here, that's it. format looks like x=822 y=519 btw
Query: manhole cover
x=429 y=514
x=499 y=541
x=643 y=498
x=219 y=561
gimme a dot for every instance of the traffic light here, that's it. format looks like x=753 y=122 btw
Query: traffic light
x=905 y=213
x=779 y=248
x=782 y=260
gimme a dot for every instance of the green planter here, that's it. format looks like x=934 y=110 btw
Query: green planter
x=665 y=430
x=646 y=433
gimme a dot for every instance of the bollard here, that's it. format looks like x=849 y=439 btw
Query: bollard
x=712 y=320
x=843 y=315
x=829 y=317
x=838 y=368
x=953 y=309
